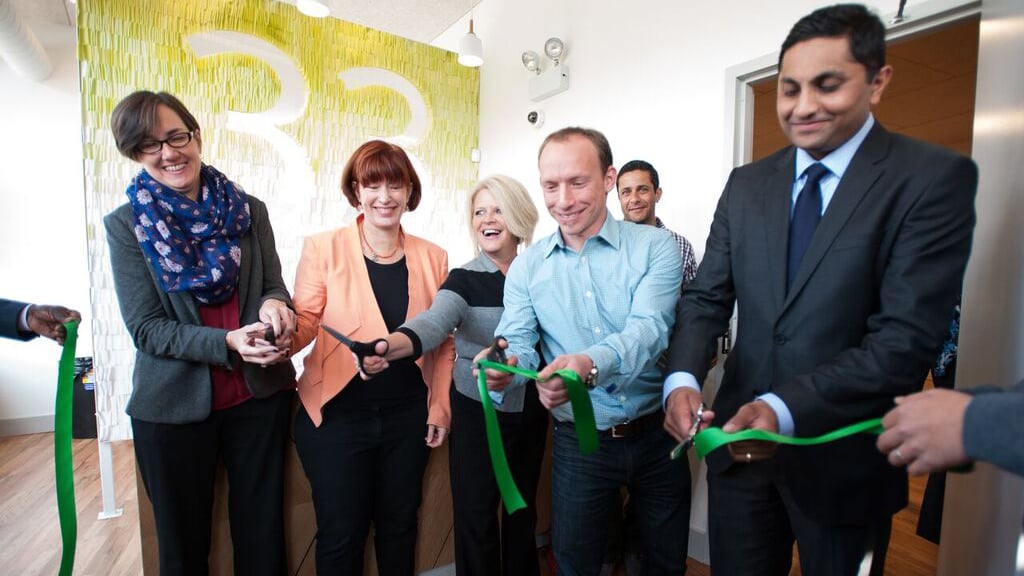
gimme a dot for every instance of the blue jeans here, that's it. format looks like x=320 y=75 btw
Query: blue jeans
x=582 y=490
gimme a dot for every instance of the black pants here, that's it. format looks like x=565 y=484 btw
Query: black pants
x=178 y=465
x=365 y=464
x=479 y=550
x=753 y=522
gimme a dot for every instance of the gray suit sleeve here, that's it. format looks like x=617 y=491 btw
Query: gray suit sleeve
x=433 y=325
x=273 y=284
x=994 y=428
x=151 y=328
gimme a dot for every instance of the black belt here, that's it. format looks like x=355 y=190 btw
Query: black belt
x=635 y=427
x=632 y=427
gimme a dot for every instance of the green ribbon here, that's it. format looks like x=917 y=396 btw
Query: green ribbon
x=63 y=468
x=583 y=416
x=711 y=439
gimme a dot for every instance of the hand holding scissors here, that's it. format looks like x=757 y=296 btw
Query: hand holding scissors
x=683 y=446
x=360 y=349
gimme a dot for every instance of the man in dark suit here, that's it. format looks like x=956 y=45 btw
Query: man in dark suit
x=23 y=321
x=844 y=254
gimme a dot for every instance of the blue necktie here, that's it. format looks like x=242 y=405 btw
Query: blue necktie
x=806 y=214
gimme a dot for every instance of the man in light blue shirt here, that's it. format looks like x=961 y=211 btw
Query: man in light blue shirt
x=843 y=254
x=599 y=296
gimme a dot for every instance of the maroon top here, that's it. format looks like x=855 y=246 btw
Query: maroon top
x=229 y=387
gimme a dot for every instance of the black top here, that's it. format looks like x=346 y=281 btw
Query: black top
x=391 y=288
x=403 y=381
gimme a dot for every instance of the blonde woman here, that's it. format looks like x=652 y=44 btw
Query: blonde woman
x=501 y=219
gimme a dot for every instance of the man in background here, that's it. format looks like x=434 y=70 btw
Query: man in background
x=639 y=192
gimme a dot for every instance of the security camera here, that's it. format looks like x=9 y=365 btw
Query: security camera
x=535 y=118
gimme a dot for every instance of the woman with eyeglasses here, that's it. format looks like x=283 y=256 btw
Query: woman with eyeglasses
x=364 y=444
x=199 y=285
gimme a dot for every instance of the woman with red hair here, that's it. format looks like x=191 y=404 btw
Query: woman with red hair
x=361 y=442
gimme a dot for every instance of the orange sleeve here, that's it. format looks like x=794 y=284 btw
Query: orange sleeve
x=443 y=361
x=310 y=295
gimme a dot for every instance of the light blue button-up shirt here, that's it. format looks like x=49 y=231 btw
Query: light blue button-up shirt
x=614 y=301
x=837 y=161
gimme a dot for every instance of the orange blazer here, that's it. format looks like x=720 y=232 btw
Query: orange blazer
x=333 y=287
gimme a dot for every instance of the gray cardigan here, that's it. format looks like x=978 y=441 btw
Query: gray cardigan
x=994 y=427
x=470 y=302
x=174 y=351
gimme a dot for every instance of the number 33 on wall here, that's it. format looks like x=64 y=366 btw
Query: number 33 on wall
x=291 y=103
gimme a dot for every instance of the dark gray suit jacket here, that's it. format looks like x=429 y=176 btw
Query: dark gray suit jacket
x=994 y=427
x=9 y=312
x=174 y=350
x=861 y=324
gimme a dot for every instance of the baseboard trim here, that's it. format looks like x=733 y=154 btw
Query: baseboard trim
x=697 y=547
x=446 y=570
x=30 y=425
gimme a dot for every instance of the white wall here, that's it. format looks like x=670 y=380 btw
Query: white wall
x=650 y=74
x=42 y=222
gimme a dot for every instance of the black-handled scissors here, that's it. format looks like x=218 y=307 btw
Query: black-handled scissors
x=360 y=349
x=496 y=353
x=267 y=334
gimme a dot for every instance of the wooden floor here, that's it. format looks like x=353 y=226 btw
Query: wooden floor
x=909 y=554
x=30 y=541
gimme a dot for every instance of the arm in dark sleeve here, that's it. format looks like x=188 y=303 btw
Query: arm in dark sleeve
x=152 y=331
x=10 y=311
x=273 y=284
x=994 y=428
x=918 y=288
x=707 y=302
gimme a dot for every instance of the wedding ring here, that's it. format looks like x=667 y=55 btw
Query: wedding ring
x=748 y=456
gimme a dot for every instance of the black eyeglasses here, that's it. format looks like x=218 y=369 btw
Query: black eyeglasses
x=179 y=140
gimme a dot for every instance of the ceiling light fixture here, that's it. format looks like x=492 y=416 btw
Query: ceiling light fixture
x=314 y=8
x=471 y=49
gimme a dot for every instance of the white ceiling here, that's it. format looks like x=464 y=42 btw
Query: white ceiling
x=420 y=20
x=50 y=11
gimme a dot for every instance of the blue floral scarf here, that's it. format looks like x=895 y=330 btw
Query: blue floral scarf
x=192 y=245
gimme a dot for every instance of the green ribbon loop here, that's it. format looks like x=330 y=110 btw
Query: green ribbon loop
x=711 y=439
x=499 y=463
x=583 y=417
x=63 y=469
